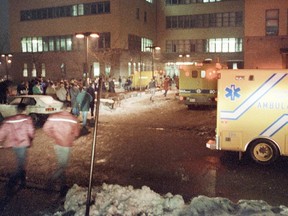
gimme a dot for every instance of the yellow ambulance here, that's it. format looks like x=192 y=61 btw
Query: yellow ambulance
x=198 y=83
x=252 y=113
x=141 y=79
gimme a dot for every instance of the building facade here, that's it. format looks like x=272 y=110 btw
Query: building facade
x=44 y=43
x=266 y=34
x=198 y=30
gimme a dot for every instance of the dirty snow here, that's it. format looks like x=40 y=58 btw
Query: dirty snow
x=125 y=200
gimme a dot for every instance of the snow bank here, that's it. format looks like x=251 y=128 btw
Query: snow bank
x=118 y=200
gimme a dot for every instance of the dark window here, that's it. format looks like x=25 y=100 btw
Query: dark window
x=94 y=8
x=272 y=22
x=205 y=20
x=104 y=40
x=137 y=13
x=145 y=16
x=134 y=42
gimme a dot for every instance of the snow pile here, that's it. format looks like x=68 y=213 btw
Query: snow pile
x=117 y=200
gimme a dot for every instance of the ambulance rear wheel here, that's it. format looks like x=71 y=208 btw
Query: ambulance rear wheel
x=264 y=151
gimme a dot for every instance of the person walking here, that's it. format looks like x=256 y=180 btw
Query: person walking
x=152 y=88
x=111 y=85
x=74 y=91
x=166 y=85
x=83 y=100
x=18 y=132
x=91 y=91
x=63 y=128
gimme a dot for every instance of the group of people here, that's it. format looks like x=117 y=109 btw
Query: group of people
x=17 y=132
x=81 y=98
x=166 y=85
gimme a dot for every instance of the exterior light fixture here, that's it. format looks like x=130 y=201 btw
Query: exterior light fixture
x=86 y=36
x=7 y=60
x=153 y=48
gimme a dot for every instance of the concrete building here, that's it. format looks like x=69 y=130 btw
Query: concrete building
x=44 y=43
x=198 y=30
x=43 y=37
x=266 y=34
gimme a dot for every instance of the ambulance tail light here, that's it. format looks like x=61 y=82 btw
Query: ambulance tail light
x=218 y=75
x=211 y=144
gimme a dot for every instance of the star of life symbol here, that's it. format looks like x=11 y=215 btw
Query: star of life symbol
x=232 y=92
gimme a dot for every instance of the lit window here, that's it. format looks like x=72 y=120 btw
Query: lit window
x=74 y=10
x=24 y=44
x=43 y=70
x=224 y=45
x=34 y=73
x=25 y=70
x=203 y=73
x=80 y=10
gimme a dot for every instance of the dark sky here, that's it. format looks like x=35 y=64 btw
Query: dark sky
x=4 y=47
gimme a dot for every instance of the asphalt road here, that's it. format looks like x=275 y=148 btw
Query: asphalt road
x=160 y=145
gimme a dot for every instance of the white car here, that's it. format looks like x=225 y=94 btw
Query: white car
x=38 y=106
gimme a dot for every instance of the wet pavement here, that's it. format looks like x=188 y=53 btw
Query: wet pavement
x=32 y=200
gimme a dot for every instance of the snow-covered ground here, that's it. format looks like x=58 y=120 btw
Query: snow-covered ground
x=117 y=200
x=108 y=200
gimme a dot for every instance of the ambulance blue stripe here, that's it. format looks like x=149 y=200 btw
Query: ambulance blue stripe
x=251 y=100
x=275 y=126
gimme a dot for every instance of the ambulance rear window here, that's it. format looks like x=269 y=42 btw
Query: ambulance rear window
x=194 y=73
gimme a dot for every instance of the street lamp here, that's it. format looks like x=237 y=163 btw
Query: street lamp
x=8 y=60
x=181 y=56
x=152 y=49
x=86 y=36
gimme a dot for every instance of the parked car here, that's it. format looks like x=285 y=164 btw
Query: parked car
x=38 y=106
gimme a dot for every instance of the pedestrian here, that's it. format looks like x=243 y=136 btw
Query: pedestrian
x=83 y=100
x=152 y=88
x=22 y=88
x=74 y=91
x=50 y=90
x=120 y=82
x=91 y=91
x=63 y=128
x=176 y=80
x=128 y=84
x=18 y=132
x=61 y=92
x=37 y=89
x=166 y=85
x=111 y=85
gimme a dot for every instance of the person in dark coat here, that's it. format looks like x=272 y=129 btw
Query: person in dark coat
x=84 y=99
x=111 y=85
x=91 y=91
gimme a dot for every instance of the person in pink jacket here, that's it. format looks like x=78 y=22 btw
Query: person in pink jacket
x=63 y=128
x=18 y=132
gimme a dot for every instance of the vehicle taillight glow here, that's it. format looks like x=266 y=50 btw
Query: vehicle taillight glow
x=50 y=109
